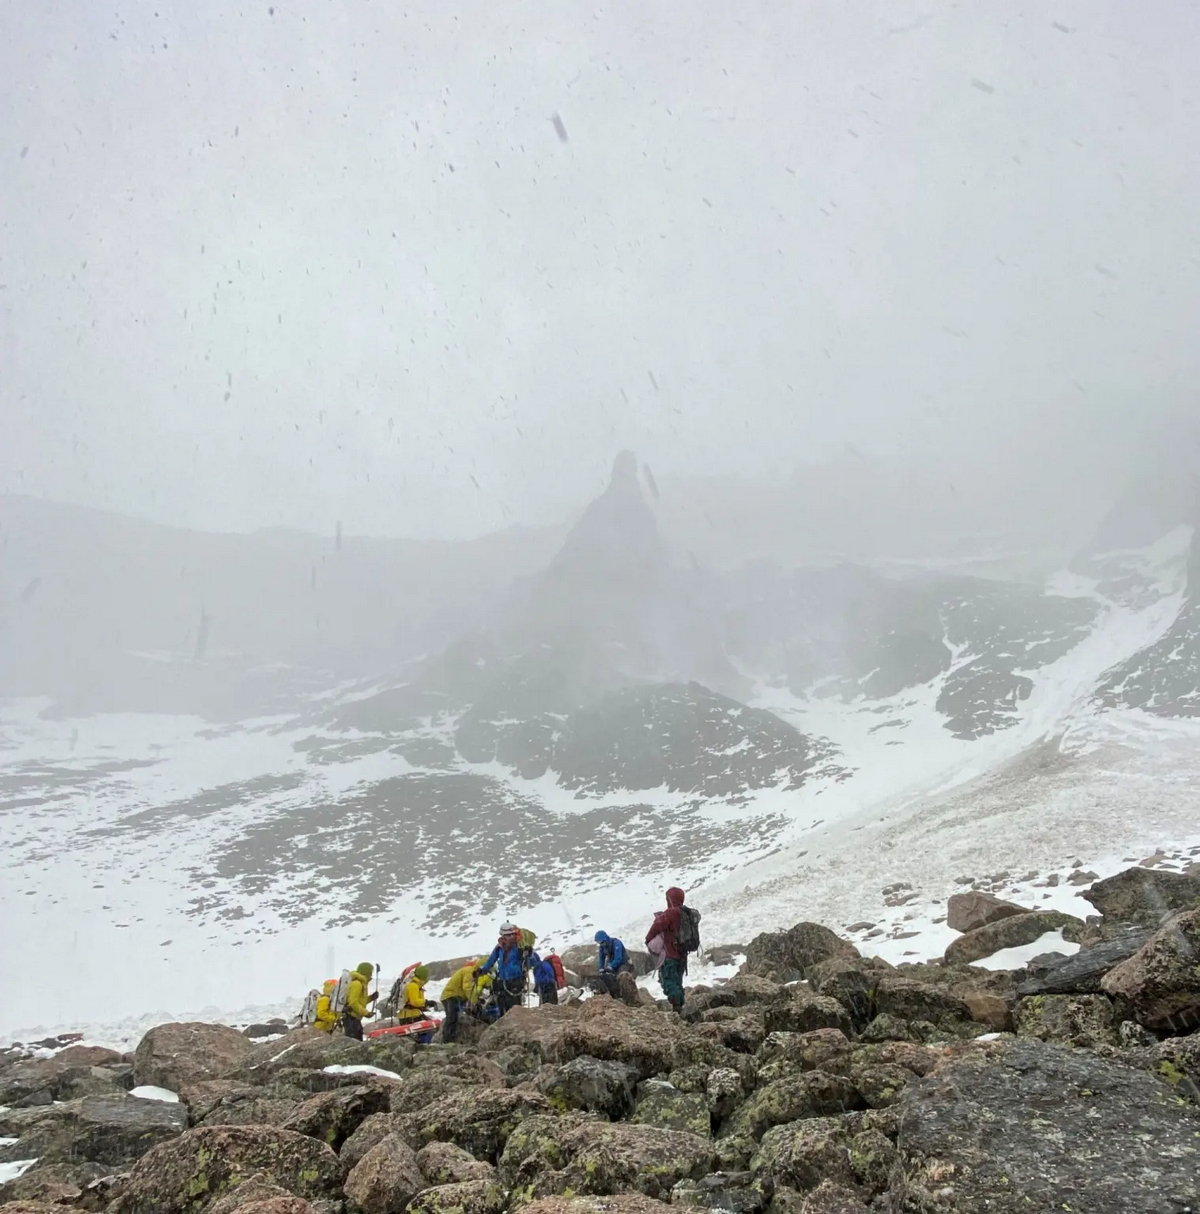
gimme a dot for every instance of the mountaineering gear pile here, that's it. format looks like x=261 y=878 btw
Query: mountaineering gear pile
x=666 y=925
x=357 y=1001
x=413 y=1006
x=325 y=1018
x=611 y=953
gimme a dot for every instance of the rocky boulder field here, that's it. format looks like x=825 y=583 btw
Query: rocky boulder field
x=816 y=1081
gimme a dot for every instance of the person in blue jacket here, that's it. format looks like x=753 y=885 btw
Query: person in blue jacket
x=545 y=982
x=611 y=958
x=511 y=964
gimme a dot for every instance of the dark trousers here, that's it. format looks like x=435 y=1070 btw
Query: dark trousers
x=547 y=994
x=352 y=1026
x=670 y=978
x=450 y=1024
x=508 y=993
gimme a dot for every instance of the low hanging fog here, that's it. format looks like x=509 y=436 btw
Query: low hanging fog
x=409 y=411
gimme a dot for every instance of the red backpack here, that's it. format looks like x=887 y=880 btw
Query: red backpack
x=560 y=978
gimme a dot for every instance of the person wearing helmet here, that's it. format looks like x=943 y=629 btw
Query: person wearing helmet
x=511 y=963
x=358 y=1001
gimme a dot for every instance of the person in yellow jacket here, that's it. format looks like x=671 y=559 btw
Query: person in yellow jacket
x=326 y=1019
x=461 y=989
x=413 y=1007
x=358 y=1001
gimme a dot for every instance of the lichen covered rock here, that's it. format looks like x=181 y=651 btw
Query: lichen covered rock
x=171 y=1055
x=386 y=1178
x=576 y=1154
x=1079 y=1020
x=661 y=1104
x=1019 y=1124
x=1160 y=983
x=186 y=1175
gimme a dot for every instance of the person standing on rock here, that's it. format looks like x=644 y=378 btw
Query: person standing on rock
x=511 y=963
x=460 y=991
x=358 y=1001
x=678 y=929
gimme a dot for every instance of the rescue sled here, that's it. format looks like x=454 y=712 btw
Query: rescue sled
x=408 y=1029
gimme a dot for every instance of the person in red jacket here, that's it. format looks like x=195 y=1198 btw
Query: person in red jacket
x=674 y=966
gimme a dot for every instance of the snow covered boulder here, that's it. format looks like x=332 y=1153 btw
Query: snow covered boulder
x=973 y=1136
x=787 y=956
x=186 y=1175
x=170 y=1055
x=386 y=1179
x=578 y=1154
x=976 y=908
x=1160 y=983
x=1145 y=896
x=113 y=1130
x=1010 y=933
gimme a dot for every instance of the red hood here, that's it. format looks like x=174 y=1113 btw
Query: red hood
x=675 y=896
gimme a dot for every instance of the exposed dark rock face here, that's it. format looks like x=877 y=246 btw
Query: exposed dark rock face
x=1026 y=1125
x=1144 y=896
x=1081 y=974
x=788 y=956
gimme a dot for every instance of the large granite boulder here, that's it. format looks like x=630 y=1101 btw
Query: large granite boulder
x=787 y=956
x=1145 y=896
x=1010 y=933
x=186 y=1175
x=1018 y=1125
x=976 y=908
x=1160 y=983
x=172 y=1055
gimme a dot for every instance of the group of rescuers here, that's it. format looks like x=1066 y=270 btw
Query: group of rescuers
x=501 y=980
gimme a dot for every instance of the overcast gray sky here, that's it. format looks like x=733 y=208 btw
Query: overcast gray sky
x=305 y=261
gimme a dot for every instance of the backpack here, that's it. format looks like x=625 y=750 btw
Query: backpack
x=688 y=935
x=560 y=978
x=525 y=942
x=308 y=1013
x=337 y=1001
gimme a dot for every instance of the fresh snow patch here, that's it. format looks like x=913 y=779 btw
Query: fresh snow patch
x=1022 y=954
x=359 y=1069
x=18 y=1167
x=988 y=1037
x=9 y=1142
x=149 y=1092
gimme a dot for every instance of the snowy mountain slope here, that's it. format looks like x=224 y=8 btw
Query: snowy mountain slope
x=563 y=766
